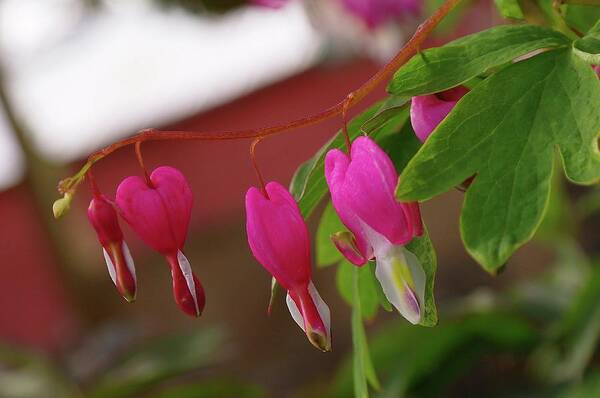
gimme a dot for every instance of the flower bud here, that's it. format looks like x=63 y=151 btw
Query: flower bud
x=119 y=262
x=279 y=240
x=427 y=111
x=61 y=206
x=362 y=192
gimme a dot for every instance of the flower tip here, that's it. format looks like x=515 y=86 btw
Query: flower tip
x=187 y=290
x=319 y=339
x=121 y=269
x=129 y=296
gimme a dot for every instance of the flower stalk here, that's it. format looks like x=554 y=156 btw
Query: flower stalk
x=411 y=47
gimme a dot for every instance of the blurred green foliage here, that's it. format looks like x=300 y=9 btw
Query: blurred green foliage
x=203 y=6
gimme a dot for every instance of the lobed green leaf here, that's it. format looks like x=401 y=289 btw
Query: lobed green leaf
x=440 y=68
x=506 y=131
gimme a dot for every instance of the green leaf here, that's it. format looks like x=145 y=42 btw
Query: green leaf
x=582 y=18
x=509 y=8
x=370 y=292
x=308 y=185
x=440 y=68
x=213 y=389
x=590 y=387
x=506 y=131
x=327 y=253
x=388 y=110
x=363 y=367
x=156 y=361
x=423 y=249
x=557 y=226
x=588 y=47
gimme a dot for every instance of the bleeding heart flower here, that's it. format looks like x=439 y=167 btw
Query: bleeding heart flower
x=278 y=238
x=159 y=211
x=427 y=111
x=362 y=192
x=104 y=219
x=377 y=12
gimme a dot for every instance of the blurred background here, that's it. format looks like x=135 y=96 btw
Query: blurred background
x=76 y=75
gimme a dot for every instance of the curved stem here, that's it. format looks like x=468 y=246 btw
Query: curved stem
x=140 y=159
x=345 y=122
x=411 y=47
x=255 y=165
x=93 y=185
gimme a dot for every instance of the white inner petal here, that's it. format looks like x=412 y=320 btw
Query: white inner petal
x=377 y=241
x=322 y=307
x=296 y=315
x=129 y=260
x=111 y=267
x=186 y=270
x=396 y=290
x=417 y=272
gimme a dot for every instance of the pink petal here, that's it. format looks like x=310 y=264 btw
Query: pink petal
x=377 y=12
x=160 y=213
x=336 y=168
x=270 y=3
x=427 y=111
x=413 y=214
x=370 y=186
x=345 y=242
x=103 y=217
x=277 y=235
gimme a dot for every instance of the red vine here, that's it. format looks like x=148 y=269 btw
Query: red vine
x=411 y=47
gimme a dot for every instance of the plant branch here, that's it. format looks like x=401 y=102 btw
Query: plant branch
x=411 y=47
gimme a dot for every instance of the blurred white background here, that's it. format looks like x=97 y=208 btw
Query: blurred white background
x=81 y=79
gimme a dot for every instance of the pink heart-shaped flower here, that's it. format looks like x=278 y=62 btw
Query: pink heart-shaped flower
x=159 y=213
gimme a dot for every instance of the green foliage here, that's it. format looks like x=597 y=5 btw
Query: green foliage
x=327 y=253
x=420 y=362
x=581 y=17
x=203 y=6
x=509 y=8
x=156 y=361
x=26 y=374
x=440 y=68
x=505 y=131
x=588 y=47
x=370 y=293
x=572 y=340
x=212 y=389
x=363 y=370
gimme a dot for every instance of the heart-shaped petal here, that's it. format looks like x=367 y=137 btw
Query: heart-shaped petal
x=159 y=211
